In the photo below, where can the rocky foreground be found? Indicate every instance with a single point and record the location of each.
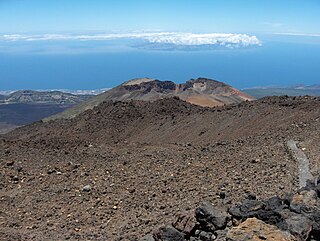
(121, 170)
(295, 217)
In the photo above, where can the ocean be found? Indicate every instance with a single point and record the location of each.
(280, 61)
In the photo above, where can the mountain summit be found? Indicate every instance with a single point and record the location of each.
(201, 91)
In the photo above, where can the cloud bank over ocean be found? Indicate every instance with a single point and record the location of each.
(158, 40)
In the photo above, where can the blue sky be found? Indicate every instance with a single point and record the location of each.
(89, 44)
(250, 16)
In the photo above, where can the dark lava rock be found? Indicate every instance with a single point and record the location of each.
(274, 203)
(206, 236)
(272, 217)
(315, 217)
(9, 163)
(148, 237)
(211, 217)
(248, 208)
(222, 195)
(300, 226)
(251, 196)
(169, 233)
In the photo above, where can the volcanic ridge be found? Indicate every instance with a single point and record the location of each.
(201, 91)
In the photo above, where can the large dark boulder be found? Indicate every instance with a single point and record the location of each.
(211, 217)
(248, 208)
(169, 233)
(299, 226)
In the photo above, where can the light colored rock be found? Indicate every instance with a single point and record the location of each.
(256, 230)
(86, 188)
(304, 198)
(184, 223)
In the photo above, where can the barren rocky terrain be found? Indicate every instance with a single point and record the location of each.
(121, 170)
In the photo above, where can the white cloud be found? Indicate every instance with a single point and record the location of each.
(190, 39)
(228, 40)
(299, 34)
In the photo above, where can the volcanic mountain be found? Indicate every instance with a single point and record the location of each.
(138, 160)
(201, 91)
(123, 168)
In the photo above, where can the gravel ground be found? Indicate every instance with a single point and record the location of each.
(119, 171)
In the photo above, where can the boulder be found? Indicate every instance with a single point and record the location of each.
(256, 230)
(169, 233)
(211, 217)
(248, 208)
(148, 237)
(315, 217)
(275, 203)
(184, 223)
(299, 226)
(303, 201)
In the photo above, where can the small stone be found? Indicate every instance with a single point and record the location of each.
(50, 171)
(222, 195)
(9, 163)
(262, 237)
(86, 188)
(15, 178)
(255, 161)
(252, 196)
(205, 236)
(132, 190)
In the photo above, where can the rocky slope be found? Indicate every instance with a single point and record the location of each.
(202, 92)
(122, 169)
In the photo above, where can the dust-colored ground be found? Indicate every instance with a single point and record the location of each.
(146, 162)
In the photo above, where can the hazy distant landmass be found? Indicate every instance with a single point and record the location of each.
(19, 114)
(42, 97)
(26, 106)
(259, 92)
